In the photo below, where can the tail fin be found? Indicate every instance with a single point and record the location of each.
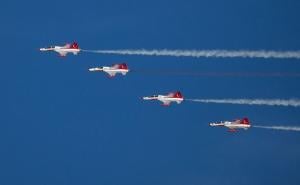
(74, 45)
(123, 66)
(177, 95)
(245, 121)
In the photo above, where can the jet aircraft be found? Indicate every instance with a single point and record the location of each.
(234, 125)
(113, 70)
(167, 99)
(64, 50)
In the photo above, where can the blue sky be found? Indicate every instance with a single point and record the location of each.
(61, 125)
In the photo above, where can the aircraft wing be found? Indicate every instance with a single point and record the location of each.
(62, 53)
(166, 103)
(111, 74)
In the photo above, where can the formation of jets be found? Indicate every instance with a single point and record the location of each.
(166, 100)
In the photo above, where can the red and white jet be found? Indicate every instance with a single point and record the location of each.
(233, 125)
(167, 99)
(64, 50)
(113, 70)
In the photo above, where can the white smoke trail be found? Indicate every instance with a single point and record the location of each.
(270, 102)
(286, 128)
(205, 53)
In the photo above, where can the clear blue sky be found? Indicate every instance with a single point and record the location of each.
(61, 125)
